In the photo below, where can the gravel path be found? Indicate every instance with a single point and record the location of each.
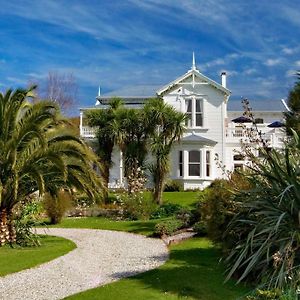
(101, 257)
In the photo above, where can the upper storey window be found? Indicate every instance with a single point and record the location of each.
(194, 111)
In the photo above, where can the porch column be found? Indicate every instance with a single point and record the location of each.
(80, 125)
(185, 163)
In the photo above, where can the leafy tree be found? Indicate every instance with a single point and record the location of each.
(108, 134)
(38, 153)
(293, 117)
(167, 128)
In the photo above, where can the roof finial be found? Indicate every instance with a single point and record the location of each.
(99, 91)
(194, 63)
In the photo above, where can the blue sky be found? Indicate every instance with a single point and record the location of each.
(120, 44)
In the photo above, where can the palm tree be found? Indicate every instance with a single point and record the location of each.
(108, 134)
(133, 139)
(167, 126)
(38, 153)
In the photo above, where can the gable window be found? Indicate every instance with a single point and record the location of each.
(198, 113)
(188, 107)
(194, 163)
(194, 112)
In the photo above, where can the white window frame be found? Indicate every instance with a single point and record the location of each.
(192, 122)
(200, 163)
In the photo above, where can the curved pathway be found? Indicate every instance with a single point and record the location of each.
(101, 257)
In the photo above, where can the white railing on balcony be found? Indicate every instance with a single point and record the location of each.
(87, 132)
(274, 137)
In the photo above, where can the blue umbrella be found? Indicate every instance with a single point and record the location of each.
(276, 124)
(242, 119)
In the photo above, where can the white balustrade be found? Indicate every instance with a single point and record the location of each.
(87, 132)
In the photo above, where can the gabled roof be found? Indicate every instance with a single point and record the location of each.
(194, 138)
(196, 73)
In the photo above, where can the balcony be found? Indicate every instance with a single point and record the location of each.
(87, 132)
(274, 137)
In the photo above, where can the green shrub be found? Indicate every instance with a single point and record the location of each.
(274, 294)
(185, 216)
(137, 207)
(173, 185)
(217, 208)
(57, 206)
(166, 210)
(200, 228)
(168, 227)
(25, 217)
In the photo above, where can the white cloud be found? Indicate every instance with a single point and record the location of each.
(249, 71)
(289, 51)
(273, 62)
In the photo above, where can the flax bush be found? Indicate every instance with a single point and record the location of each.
(270, 251)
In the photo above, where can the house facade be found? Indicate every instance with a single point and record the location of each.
(211, 137)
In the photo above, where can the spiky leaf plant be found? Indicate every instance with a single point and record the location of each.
(38, 153)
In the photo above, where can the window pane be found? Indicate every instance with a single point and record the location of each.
(198, 105)
(180, 163)
(180, 156)
(188, 120)
(194, 169)
(194, 156)
(188, 105)
(207, 170)
(198, 119)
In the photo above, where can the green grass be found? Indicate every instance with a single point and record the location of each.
(140, 227)
(188, 198)
(183, 198)
(192, 272)
(17, 259)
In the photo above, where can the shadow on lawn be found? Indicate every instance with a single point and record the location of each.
(191, 273)
(146, 227)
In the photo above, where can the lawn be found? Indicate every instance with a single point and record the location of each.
(183, 198)
(140, 227)
(186, 199)
(192, 272)
(17, 259)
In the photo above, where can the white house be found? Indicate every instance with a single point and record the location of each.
(210, 130)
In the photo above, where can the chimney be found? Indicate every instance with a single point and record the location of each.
(223, 77)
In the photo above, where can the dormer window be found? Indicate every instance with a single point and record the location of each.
(194, 112)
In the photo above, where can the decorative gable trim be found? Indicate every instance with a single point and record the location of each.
(193, 73)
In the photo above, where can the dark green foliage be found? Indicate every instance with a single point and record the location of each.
(173, 186)
(166, 210)
(217, 208)
(168, 227)
(268, 248)
(200, 228)
(24, 220)
(274, 294)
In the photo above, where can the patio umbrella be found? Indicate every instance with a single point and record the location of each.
(242, 119)
(276, 124)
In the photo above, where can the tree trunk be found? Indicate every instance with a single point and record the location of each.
(11, 228)
(4, 227)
